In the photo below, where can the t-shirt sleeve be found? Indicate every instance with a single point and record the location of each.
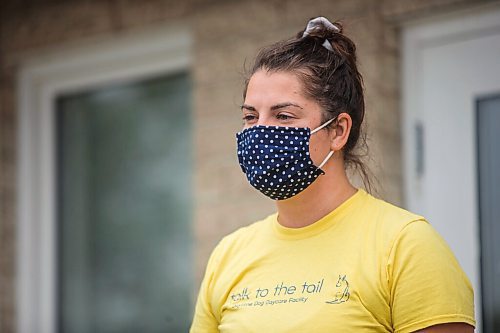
(204, 319)
(427, 285)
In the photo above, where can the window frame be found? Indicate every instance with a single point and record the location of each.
(42, 77)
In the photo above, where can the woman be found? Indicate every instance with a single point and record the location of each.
(333, 258)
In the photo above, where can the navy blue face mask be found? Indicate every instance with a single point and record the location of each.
(276, 159)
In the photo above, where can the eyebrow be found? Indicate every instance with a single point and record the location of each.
(248, 107)
(274, 107)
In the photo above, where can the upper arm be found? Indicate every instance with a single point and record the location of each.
(449, 328)
(204, 320)
(428, 288)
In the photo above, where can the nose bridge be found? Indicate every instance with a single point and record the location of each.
(265, 118)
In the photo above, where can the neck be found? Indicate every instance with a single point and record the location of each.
(324, 195)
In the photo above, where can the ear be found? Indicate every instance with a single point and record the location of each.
(339, 132)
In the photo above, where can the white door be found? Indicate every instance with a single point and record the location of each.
(449, 65)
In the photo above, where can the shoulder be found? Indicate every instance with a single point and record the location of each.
(390, 213)
(418, 264)
(388, 220)
(244, 238)
(247, 233)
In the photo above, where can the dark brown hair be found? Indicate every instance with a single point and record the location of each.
(329, 77)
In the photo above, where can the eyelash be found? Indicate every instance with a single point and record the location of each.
(283, 116)
(249, 117)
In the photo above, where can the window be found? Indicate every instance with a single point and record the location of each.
(123, 207)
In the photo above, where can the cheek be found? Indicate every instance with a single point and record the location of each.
(318, 147)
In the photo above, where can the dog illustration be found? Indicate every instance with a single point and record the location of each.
(342, 291)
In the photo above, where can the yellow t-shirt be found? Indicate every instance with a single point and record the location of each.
(367, 266)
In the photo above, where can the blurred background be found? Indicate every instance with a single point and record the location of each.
(118, 169)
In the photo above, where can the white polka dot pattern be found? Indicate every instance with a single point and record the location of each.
(276, 159)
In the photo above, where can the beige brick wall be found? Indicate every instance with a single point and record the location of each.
(226, 34)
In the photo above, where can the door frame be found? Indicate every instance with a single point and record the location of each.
(42, 78)
(416, 37)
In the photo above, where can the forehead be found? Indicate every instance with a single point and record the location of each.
(274, 85)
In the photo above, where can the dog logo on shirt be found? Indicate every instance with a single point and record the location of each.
(341, 291)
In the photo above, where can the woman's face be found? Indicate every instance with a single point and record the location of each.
(277, 99)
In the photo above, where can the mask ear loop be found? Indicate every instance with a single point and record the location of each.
(331, 151)
(326, 159)
(323, 126)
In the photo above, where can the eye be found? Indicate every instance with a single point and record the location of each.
(283, 116)
(249, 118)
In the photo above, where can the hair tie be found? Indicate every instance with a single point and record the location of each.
(316, 23)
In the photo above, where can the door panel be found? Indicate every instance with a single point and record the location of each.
(488, 140)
